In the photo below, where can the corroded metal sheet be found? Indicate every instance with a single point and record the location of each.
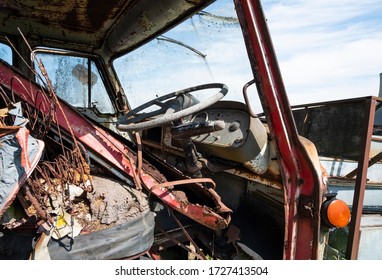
(334, 127)
(111, 27)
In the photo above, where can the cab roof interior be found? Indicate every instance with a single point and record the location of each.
(110, 27)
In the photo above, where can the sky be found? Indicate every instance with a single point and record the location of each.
(327, 49)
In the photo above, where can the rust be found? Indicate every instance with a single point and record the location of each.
(114, 152)
(267, 179)
(91, 15)
(36, 204)
(232, 234)
(82, 166)
(372, 161)
(306, 206)
(181, 196)
(187, 235)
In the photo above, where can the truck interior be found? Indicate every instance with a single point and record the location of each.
(183, 174)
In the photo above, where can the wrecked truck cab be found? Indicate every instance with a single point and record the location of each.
(209, 177)
(97, 151)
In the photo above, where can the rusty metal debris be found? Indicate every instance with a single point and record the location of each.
(62, 195)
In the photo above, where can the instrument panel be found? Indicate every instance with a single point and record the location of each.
(233, 134)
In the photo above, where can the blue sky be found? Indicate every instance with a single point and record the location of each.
(327, 49)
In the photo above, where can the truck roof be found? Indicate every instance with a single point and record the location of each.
(109, 27)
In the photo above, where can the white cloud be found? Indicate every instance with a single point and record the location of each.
(327, 49)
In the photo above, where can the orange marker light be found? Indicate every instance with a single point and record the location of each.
(335, 212)
(338, 213)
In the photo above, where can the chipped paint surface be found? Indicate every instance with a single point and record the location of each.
(100, 20)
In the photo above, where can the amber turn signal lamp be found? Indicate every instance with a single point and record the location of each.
(335, 212)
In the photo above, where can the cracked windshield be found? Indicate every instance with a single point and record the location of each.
(206, 48)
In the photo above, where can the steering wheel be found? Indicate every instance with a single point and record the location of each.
(170, 110)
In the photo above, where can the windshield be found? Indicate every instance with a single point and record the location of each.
(70, 79)
(5, 53)
(206, 48)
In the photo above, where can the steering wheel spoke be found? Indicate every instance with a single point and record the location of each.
(159, 103)
(133, 121)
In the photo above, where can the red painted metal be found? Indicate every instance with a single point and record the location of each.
(299, 176)
(103, 144)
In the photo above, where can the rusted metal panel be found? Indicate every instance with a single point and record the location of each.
(326, 126)
(62, 19)
(88, 15)
(108, 33)
(111, 150)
